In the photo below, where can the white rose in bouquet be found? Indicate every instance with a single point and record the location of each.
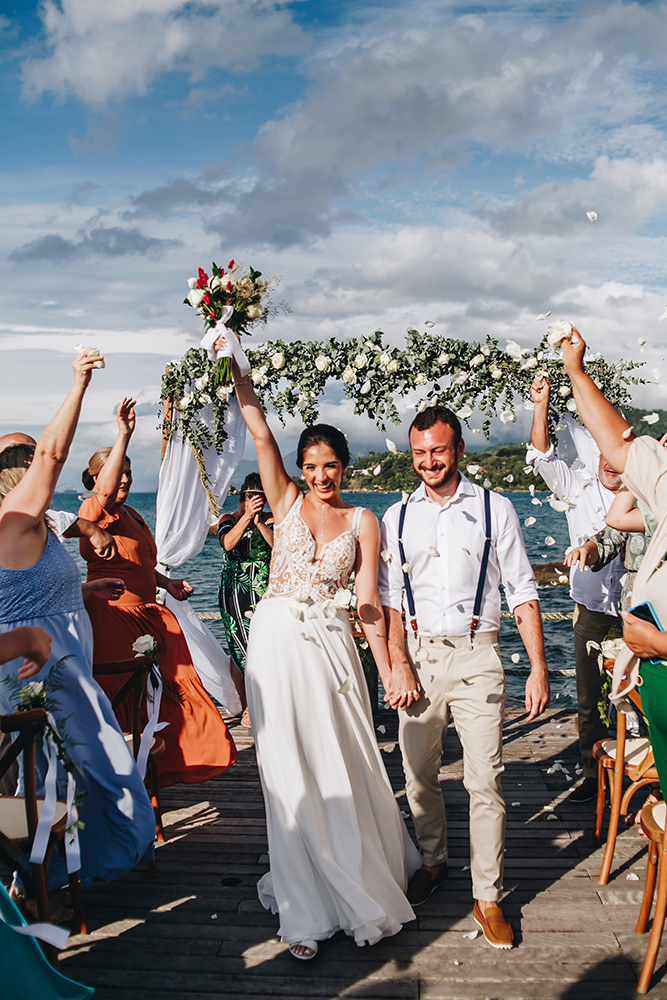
(205, 398)
(349, 376)
(144, 644)
(192, 282)
(195, 297)
(278, 359)
(323, 363)
(255, 311)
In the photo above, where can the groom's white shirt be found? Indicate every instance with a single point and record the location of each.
(444, 585)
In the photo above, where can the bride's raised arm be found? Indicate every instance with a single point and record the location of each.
(280, 491)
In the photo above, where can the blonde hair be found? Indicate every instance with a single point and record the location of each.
(95, 465)
(9, 478)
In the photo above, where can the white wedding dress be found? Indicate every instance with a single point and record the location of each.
(339, 851)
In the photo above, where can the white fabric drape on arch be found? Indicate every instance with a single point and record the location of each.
(181, 528)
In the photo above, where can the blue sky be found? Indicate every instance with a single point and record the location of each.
(397, 162)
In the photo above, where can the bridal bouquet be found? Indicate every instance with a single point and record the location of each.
(232, 298)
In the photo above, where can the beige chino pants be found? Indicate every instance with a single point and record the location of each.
(468, 685)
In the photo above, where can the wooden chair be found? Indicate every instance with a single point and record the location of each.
(19, 818)
(135, 688)
(653, 824)
(617, 759)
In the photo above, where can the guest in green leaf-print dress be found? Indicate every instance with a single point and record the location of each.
(247, 540)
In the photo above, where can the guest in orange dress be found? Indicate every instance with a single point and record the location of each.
(198, 745)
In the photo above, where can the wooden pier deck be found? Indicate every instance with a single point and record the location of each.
(198, 932)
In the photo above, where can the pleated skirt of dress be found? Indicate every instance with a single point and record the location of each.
(339, 851)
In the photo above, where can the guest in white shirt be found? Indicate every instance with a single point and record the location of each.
(590, 492)
(451, 665)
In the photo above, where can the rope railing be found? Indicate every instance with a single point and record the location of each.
(547, 616)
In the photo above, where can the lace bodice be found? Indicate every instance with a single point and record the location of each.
(51, 587)
(294, 569)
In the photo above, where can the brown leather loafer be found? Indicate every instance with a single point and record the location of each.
(424, 883)
(495, 926)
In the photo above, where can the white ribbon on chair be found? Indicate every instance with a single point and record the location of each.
(153, 726)
(56, 936)
(72, 848)
(45, 821)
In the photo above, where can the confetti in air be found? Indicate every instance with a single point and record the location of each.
(591, 216)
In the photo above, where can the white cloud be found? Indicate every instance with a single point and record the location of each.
(100, 51)
(418, 98)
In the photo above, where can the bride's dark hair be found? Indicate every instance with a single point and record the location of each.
(323, 434)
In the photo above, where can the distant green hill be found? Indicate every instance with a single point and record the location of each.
(634, 417)
(396, 471)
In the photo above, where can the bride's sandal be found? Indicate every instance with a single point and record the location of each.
(303, 950)
(245, 720)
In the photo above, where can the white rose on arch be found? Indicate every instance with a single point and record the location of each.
(421, 379)
(349, 376)
(361, 361)
(392, 366)
(278, 359)
(323, 363)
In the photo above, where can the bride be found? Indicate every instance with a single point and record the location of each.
(339, 851)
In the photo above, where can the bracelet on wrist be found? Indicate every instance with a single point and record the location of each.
(237, 384)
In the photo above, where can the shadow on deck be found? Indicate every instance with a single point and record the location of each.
(198, 930)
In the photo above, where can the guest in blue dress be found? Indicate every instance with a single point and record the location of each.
(40, 585)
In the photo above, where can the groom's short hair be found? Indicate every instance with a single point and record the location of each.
(437, 415)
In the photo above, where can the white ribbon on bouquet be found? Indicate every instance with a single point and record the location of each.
(183, 518)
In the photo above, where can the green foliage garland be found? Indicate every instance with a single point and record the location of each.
(291, 376)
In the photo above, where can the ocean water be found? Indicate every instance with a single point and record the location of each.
(203, 573)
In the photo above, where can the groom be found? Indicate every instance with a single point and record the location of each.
(446, 550)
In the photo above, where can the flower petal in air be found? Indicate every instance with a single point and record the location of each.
(651, 418)
(429, 323)
(549, 540)
(386, 555)
(591, 216)
(487, 484)
(377, 470)
(515, 657)
(664, 315)
(464, 412)
(391, 446)
(508, 416)
(433, 552)
(530, 521)
(543, 316)
(346, 686)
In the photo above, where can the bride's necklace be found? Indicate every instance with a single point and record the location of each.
(324, 516)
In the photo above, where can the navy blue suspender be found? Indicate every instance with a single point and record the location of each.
(482, 569)
(406, 578)
(477, 607)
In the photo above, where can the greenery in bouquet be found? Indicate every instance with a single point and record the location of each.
(41, 694)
